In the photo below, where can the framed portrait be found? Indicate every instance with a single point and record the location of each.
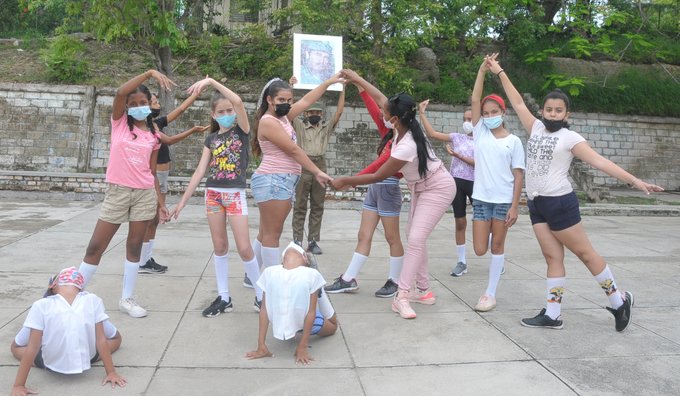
(315, 59)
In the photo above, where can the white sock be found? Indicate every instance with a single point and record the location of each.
(607, 283)
(461, 253)
(257, 248)
(87, 271)
(129, 278)
(497, 262)
(146, 253)
(490, 238)
(222, 275)
(323, 304)
(395, 267)
(152, 242)
(270, 257)
(253, 271)
(554, 290)
(354, 266)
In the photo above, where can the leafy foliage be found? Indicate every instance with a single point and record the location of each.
(66, 61)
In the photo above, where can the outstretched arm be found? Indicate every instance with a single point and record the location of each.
(389, 168)
(262, 350)
(194, 182)
(340, 107)
(239, 107)
(170, 140)
(373, 110)
(513, 95)
(312, 96)
(374, 92)
(119, 101)
(428, 127)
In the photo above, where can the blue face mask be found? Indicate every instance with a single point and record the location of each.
(493, 122)
(226, 120)
(139, 113)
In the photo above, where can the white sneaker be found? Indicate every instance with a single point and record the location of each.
(130, 306)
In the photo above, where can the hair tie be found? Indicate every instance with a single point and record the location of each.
(266, 86)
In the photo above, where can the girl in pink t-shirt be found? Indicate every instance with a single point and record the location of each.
(132, 192)
(273, 183)
(432, 190)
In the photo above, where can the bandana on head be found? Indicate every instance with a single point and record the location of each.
(496, 99)
(69, 276)
(297, 248)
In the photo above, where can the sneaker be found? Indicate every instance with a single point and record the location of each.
(217, 307)
(401, 305)
(422, 296)
(314, 248)
(486, 303)
(339, 285)
(257, 305)
(542, 320)
(388, 290)
(152, 267)
(130, 307)
(246, 282)
(622, 314)
(459, 269)
(298, 242)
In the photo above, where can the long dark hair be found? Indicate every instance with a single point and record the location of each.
(272, 88)
(383, 142)
(403, 106)
(216, 97)
(149, 119)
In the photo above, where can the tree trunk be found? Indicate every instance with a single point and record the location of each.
(163, 57)
(376, 22)
(550, 9)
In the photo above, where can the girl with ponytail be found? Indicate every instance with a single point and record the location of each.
(273, 183)
(431, 185)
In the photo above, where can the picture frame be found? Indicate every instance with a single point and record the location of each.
(315, 59)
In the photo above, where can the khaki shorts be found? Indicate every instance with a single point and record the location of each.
(124, 204)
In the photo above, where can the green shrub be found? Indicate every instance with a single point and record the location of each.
(65, 60)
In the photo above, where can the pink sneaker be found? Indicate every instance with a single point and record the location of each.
(486, 303)
(401, 305)
(422, 296)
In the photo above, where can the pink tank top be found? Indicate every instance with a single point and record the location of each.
(275, 160)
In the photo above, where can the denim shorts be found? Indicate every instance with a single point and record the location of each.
(485, 211)
(559, 212)
(384, 198)
(274, 186)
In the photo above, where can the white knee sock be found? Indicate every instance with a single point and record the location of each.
(270, 257)
(257, 248)
(554, 290)
(395, 267)
(87, 271)
(253, 271)
(324, 306)
(146, 253)
(497, 262)
(461, 253)
(152, 242)
(129, 278)
(222, 275)
(607, 283)
(354, 266)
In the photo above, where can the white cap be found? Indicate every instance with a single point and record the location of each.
(295, 247)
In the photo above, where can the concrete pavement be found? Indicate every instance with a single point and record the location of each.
(448, 350)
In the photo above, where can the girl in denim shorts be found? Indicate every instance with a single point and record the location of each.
(499, 174)
(225, 157)
(273, 183)
(553, 205)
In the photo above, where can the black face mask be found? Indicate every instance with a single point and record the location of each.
(155, 113)
(282, 109)
(314, 119)
(554, 125)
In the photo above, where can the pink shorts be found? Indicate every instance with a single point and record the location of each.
(231, 201)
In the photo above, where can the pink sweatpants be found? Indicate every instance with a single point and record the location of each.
(430, 198)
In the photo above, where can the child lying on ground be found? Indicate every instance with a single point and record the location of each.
(65, 332)
(293, 301)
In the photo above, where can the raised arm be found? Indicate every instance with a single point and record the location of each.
(312, 96)
(476, 99)
(172, 116)
(239, 107)
(119, 100)
(170, 140)
(428, 127)
(372, 91)
(373, 110)
(340, 107)
(513, 95)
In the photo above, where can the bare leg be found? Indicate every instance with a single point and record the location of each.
(217, 222)
(576, 240)
(273, 213)
(393, 235)
(369, 222)
(100, 240)
(329, 327)
(552, 249)
(480, 236)
(461, 225)
(136, 232)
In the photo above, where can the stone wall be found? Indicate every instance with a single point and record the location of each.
(46, 128)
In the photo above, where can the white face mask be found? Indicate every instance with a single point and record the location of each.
(467, 127)
(388, 124)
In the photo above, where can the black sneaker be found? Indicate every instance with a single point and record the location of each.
(340, 286)
(257, 305)
(217, 307)
(542, 320)
(298, 242)
(622, 315)
(152, 267)
(314, 248)
(389, 290)
(246, 282)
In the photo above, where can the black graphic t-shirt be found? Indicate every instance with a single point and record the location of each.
(229, 159)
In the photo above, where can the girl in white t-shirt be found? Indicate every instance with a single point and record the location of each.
(553, 206)
(431, 185)
(499, 174)
(65, 332)
(294, 302)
